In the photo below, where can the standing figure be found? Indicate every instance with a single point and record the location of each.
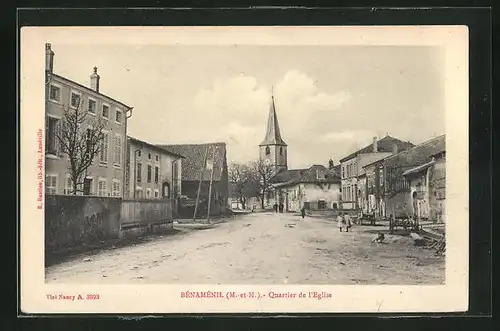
(281, 207)
(340, 221)
(303, 212)
(275, 207)
(347, 222)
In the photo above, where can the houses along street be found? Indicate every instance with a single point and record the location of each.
(260, 248)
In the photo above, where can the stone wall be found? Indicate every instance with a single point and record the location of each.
(72, 220)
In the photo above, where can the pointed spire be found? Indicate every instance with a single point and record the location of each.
(273, 134)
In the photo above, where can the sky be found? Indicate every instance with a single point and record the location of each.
(330, 100)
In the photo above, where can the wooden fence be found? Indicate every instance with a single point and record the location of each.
(139, 213)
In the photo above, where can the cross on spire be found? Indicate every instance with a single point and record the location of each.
(272, 91)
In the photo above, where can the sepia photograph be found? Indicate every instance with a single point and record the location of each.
(209, 162)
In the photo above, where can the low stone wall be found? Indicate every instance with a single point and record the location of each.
(72, 221)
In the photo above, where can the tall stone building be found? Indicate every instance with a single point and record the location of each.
(105, 176)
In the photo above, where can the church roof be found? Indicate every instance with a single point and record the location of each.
(273, 134)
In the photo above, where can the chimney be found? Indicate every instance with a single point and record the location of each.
(94, 80)
(49, 58)
(375, 145)
(395, 148)
(330, 164)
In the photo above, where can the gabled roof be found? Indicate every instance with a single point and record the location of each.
(194, 154)
(287, 175)
(273, 134)
(154, 147)
(384, 145)
(315, 174)
(417, 155)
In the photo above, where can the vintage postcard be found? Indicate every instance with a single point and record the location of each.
(244, 169)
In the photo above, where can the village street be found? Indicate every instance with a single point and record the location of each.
(260, 248)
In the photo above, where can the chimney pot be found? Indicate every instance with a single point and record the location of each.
(94, 80)
(49, 58)
(375, 144)
(330, 164)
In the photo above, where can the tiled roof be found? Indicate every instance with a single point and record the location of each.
(417, 155)
(287, 175)
(194, 154)
(315, 174)
(154, 147)
(385, 144)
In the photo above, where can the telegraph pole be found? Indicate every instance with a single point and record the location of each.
(199, 185)
(210, 186)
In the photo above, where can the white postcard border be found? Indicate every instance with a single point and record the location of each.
(453, 296)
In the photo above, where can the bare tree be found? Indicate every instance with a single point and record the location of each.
(244, 181)
(263, 175)
(79, 136)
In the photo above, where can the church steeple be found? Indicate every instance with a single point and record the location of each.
(273, 134)
(273, 150)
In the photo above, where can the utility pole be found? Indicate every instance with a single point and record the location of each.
(199, 185)
(210, 185)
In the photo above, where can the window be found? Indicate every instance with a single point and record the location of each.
(118, 116)
(103, 149)
(149, 156)
(157, 158)
(381, 177)
(268, 150)
(139, 172)
(138, 192)
(343, 172)
(51, 184)
(87, 186)
(157, 193)
(52, 129)
(92, 108)
(117, 150)
(75, 99)
(105, 111)
(281, 150)
(149, 173)
(148, 193)
(157, 173)
(69, 185)
(116, 188)
(101, 187)
(139, 153)
(55, 93)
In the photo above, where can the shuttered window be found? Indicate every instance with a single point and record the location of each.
(101, 188)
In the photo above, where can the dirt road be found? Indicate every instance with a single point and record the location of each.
(260, 249)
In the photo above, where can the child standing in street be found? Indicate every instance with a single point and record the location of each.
(340, 221)
(347, 222)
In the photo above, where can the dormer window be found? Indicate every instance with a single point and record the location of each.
(268, 150)
(281, 150)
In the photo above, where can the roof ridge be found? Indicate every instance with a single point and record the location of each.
(195, 144)
(419, 145)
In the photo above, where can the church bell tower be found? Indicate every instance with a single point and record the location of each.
(273, 149)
